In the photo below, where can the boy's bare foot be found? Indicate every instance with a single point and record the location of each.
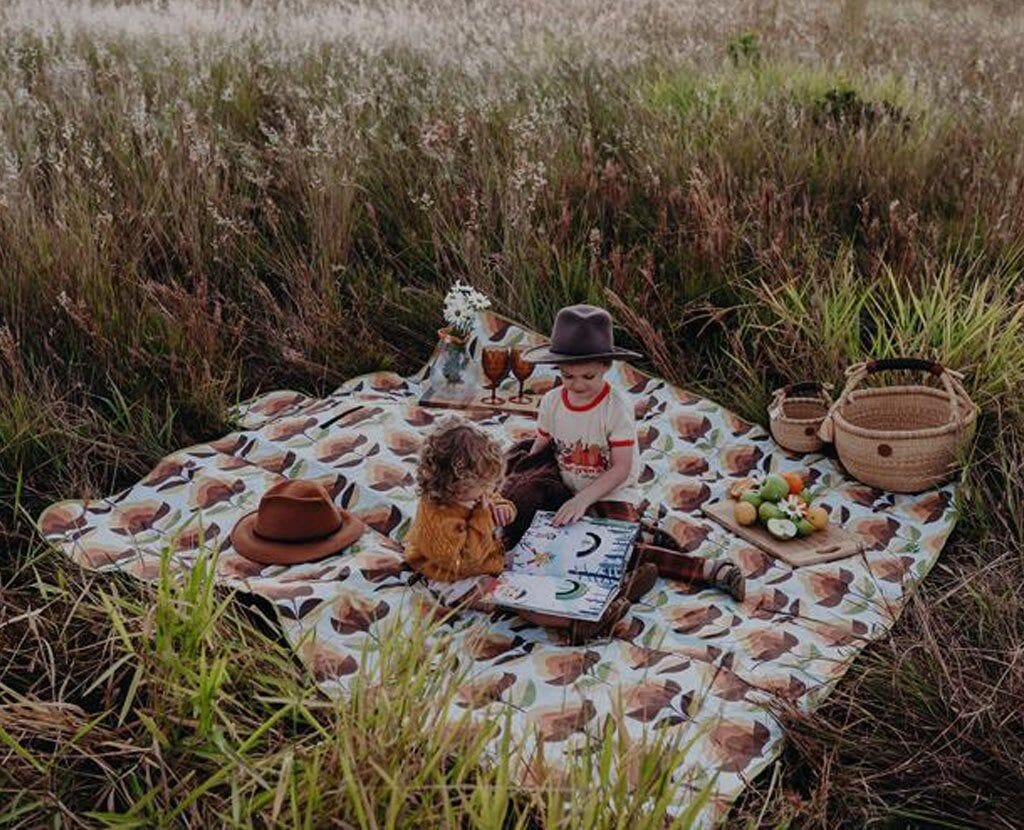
(727, 575)
(657, 545)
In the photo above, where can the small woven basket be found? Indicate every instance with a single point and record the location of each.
(795, 416)
(901, 438)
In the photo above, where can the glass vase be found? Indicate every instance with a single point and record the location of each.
(454, 356)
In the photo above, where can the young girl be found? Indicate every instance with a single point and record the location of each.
(455, 533)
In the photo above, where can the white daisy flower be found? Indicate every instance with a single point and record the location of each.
(461, 306)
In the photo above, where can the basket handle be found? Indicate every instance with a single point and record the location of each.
(807, 386)
(780, 394)
(951, 381)
(886, 364)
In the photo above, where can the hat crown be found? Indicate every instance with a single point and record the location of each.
(294, 511)
(582, 330)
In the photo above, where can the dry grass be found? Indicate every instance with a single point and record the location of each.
(199, 200)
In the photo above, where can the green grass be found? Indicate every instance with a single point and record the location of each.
(184, 677)
(761, 194)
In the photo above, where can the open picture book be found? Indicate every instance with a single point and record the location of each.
(573, 571)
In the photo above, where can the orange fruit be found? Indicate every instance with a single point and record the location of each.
(795, 482)
(745, 513)
(818, 516)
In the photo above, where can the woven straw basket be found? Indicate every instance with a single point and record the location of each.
(901, 438)
(795, 416)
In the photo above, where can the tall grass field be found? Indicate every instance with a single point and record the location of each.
(205, 199)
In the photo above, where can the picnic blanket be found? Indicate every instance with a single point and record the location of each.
(690, 661)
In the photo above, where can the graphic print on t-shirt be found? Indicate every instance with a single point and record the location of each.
(585, 435)
(582, 459)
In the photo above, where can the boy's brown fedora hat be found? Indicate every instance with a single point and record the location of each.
(581, 332)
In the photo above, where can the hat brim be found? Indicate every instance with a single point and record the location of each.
(245, 541)
(544, 354)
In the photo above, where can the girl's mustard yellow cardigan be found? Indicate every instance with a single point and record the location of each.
(452, 541)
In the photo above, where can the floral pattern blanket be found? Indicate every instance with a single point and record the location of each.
(685, 660)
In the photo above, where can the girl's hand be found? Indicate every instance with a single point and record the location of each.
(573, 510)
(503, 514)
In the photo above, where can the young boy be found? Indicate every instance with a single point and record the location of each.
(591, 428)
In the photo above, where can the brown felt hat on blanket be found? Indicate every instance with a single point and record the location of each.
(297, 521)
(581, 332)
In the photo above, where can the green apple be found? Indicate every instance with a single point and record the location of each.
(804, 528)
(752, 497)
(775, 488)
(768, 511)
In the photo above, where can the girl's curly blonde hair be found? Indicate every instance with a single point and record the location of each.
(455, 456)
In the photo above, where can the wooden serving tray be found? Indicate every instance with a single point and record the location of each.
(823, 546)
(472, 405)
(471, 394)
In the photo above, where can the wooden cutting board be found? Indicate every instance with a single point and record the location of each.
(824, 546)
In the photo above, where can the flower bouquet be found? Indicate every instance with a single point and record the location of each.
(461, 306)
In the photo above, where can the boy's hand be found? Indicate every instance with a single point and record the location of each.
(503, 514)
(573, 510)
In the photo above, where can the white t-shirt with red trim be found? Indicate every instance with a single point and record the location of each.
(584, 436)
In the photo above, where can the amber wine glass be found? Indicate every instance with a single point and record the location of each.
(522, 369)
(495, 360)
